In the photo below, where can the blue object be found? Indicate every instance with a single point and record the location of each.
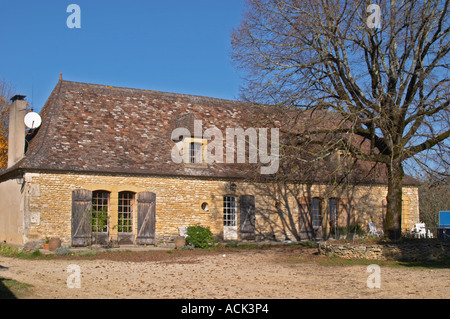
(444, 219)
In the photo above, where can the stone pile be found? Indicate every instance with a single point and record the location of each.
(411, 251)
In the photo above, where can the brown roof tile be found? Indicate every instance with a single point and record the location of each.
(98, 128)
(104, 129)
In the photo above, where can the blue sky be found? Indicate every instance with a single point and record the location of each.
(172, 46)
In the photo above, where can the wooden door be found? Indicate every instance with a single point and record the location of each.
(247, 217)
(81, 217)
(146, 218)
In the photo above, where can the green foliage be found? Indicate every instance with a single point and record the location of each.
(34, 254)
(63, 251)
(10, 251)
(87, 253)
(199, 236)
(99, 219)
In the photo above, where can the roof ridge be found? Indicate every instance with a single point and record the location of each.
(174, 94)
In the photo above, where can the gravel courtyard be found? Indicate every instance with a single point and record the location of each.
(280, 272)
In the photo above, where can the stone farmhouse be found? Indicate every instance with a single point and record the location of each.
(105, 166)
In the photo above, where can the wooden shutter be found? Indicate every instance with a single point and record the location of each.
(81, 217)
(146, 211)
(247, 217)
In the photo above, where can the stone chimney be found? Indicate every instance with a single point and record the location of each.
(16, 134)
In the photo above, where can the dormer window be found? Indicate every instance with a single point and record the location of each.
(195, 152)
(340, 161)
(190, 150)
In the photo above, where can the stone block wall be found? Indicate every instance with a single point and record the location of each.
(178, 201)
(48, 204)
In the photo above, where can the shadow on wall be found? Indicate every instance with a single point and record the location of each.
(302, 212)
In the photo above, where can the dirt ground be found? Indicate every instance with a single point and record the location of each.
(282, 273)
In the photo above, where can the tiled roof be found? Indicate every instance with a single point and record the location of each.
(98, 128)
(112, 130)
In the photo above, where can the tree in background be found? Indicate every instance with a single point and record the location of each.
(380, 67)
(434, 196)
(5, 95)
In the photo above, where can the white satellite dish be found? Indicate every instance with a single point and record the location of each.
(32, 120)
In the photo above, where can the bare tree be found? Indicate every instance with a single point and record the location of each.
(381, 71)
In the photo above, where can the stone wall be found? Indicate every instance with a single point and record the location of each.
(11, 212)
(48, 204)
(410, 208)
(178, 201)
(413, 250)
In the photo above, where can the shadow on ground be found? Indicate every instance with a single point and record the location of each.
(5, 292)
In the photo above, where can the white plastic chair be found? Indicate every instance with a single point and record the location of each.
(182, 231)
(419, 230)
(373, 230)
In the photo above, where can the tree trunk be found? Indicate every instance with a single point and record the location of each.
(394, 200)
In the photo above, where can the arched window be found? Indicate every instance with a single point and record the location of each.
(126, 212)
(100, 211)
